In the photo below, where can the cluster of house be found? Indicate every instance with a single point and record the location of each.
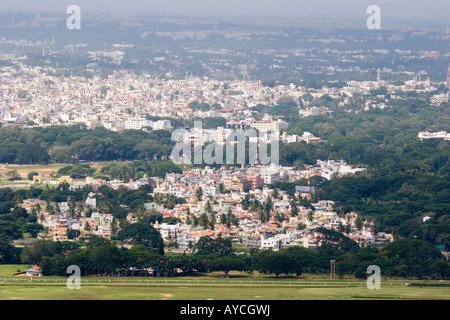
(222, 189)
(275, 235)
(143, 123)
(57, 224)
(314, 111)
(88, 181)
(248, 178)
(370, 104)
(332, 168)
(124, 99)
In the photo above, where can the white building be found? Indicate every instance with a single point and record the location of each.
(136, 124)
(160, 125)
(277, 242)
(270, 176)
(433, 135)
(270, 125)
(169, 231)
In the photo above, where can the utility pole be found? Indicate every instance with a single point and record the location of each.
(333, 269)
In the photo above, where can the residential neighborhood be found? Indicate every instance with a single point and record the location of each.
(223, 190)
(233, 150)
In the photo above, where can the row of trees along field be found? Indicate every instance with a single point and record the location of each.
(406, 258)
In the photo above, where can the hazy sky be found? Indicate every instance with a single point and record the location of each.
(391, 10)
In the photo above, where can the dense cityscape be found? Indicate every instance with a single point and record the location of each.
(351, 158)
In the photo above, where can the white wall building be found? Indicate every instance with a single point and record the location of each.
(270, 176)
(270, 125)
(136, 124)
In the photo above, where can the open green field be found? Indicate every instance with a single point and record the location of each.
(44, 170)
(208, 287)
(203, 290)
(7, 270)
(24, 170)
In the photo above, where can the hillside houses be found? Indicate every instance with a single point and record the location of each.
(223, 190)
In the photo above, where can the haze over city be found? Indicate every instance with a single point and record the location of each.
(401, 11)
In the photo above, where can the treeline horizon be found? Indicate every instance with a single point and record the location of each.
(77, 143)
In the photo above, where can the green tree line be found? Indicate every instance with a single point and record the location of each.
(405, 258)
(70, 144)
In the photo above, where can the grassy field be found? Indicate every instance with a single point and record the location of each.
(201, 290)
(216, 292)
(23, 171)
(8, 270)
(44, 170)
(207, 287)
